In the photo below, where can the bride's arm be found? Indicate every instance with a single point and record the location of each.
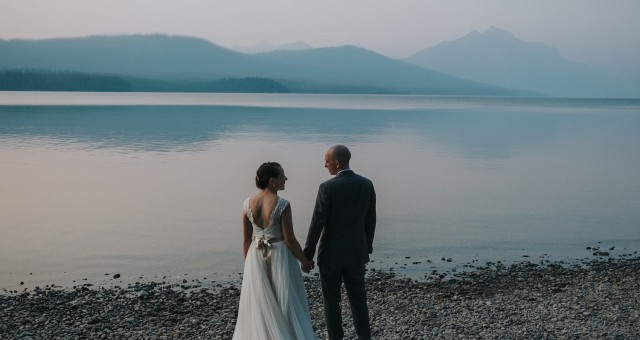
(247, 234)
(290, 238)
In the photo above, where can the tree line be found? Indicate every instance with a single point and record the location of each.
(29, 80)
(44, 80)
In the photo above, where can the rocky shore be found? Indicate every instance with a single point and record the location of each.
(598, 299)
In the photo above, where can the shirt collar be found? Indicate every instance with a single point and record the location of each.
(344, 170)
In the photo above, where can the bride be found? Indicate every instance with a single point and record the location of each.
(273, 300)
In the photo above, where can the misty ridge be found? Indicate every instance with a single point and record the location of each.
(492, 63)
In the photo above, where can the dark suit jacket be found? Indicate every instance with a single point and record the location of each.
(344, 221)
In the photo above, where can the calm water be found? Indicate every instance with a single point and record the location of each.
(151, 185)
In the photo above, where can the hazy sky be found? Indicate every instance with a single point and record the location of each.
(583, 30)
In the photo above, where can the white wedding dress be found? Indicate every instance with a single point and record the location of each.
(273, 300)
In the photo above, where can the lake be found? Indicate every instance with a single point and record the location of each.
(150, 185)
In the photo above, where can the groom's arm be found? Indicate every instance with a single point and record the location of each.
(370, 227)
(317, 223)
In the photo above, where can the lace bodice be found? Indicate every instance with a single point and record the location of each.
(273, 230)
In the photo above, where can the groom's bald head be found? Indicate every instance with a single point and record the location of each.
(337, 158)
(341, 154)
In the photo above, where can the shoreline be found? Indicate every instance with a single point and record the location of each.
(417, 267)
(598, 299)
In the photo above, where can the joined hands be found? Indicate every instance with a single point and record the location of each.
(307, 266)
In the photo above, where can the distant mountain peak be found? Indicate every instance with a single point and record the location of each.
(497, 57)
(298, 45)
(265, 47)
(498, 33)
(491, 33)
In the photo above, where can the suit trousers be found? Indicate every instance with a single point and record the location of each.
(353, 277)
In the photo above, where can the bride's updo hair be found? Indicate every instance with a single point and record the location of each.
(265, 172)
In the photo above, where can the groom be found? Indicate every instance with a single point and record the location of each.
(344, 221)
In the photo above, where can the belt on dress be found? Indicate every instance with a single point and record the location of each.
(265, 245)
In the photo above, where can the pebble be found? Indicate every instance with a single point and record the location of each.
(597, 300)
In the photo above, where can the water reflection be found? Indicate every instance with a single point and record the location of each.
(475, 133)
(157, 189)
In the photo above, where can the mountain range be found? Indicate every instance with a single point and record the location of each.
(489, 63)
(177, 61)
